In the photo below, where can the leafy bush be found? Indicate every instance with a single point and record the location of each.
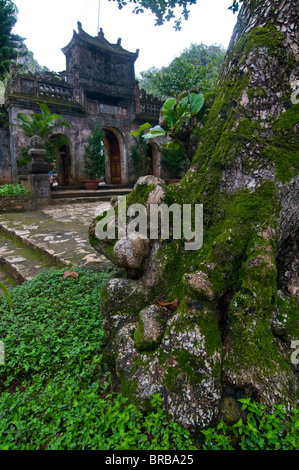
(94, 155)
(13, 190)
(139, 156)
(175, 161)
(260, 430)
(41, 123)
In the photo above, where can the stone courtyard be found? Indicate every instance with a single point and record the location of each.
(54, 236)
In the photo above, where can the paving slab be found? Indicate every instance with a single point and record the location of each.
(58, 235)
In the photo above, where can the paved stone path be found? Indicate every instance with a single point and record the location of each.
(56, 235)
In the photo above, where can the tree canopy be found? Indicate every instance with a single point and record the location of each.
(164, 10)
(197, 66)
(10, 44)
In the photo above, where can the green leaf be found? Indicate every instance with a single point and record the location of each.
(7, 295)
(197, 102)
(142, 128)
(154, 132)
(169, 113)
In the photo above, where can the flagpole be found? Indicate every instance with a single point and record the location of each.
(99, 17)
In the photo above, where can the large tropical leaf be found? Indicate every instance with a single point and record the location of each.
(142, 128)
(169, 112)
(197, 102)
(41, 123)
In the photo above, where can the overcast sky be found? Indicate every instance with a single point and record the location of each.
(48, 26)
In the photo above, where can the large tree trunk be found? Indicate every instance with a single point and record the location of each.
(237, 314)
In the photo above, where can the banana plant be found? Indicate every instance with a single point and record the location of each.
(177, 114)
(40, 124)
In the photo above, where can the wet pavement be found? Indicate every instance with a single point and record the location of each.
(54, 236)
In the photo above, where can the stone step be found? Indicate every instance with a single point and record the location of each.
(56, 236)
(20, 262)
(86, 194)
(78, 200)
(13, 243)
(6, 277)
(102, 187)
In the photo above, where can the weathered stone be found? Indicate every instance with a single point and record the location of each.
(150, 328)
(129, 253)
(16, 203)
(199, 283)
(149, 180)
(293, 290)
(156, 196)
(230, 410)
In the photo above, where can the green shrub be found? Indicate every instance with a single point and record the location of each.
(260, 430)
(13, 190)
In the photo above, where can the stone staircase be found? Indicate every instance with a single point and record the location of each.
(77, 194)
(54, 237)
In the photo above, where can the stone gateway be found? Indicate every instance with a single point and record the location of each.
(98, 85)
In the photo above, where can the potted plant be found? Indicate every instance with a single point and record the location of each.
(94, 158)
(175, 163)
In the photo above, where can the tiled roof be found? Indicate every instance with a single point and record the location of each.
(98, 41)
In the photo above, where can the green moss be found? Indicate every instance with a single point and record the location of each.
(128, 387)
(267, 37)
(140, 194)
(283, 148)
(288, 314)
(170, 377)
(53, 101)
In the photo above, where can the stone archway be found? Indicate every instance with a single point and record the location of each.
(114, 145)
(154, 155)
(61, 159)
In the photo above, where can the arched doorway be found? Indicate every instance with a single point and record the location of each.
(61, 159)
(64, 173)
(114, 157)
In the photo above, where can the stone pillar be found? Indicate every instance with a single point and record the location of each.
(38, 169)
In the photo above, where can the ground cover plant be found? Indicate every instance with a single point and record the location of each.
(56, 392)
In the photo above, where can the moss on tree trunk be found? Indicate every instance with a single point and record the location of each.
(238, 295)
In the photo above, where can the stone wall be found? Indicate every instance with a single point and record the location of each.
(5, 164)
(16, 203)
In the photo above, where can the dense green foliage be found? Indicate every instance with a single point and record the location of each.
(164, 10)
(41, 123)
(198, 66)
(139, 155)
(55, 388)
(56, 392)
(94, 155)
(10, 44)
(13, 190)
(175, 161)
(258, 431)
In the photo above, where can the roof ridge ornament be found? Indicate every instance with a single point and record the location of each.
(101, 33)
(80, 29)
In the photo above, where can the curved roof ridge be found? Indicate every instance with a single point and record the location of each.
(98, 41)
